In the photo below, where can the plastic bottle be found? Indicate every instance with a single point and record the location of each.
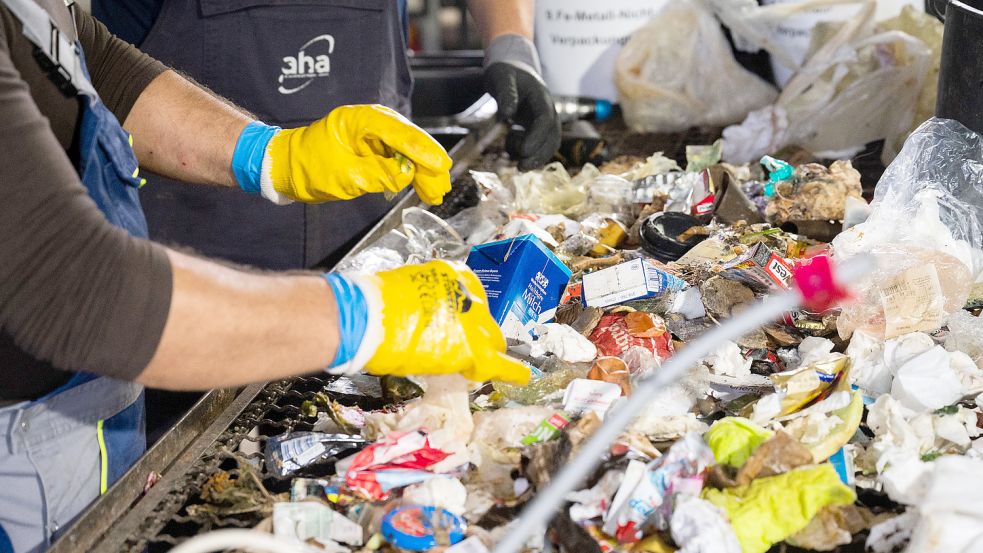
(570, 108)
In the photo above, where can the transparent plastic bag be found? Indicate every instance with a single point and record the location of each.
(926, 231)
(371, 260)
(492, 190)
(478, 224)
(914, 289)
(611, 194)
(678, 72)
(551, 190)
(931, 196)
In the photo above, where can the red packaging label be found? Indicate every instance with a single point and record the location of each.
(612, 338)
(410, 522)
(558, 421)
(573, 290)
(704, 206)
(527, 216)
(403, 452)
(779, 270)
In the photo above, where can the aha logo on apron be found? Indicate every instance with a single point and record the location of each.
(301, 70)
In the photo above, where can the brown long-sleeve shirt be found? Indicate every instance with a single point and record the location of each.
(76, 293)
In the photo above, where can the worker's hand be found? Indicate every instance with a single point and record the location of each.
(355, 150)
(420, 319)
(512, 77)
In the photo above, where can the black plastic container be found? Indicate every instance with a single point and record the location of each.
(961, 71)
(660, 231)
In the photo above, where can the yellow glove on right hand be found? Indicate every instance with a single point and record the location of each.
(430, 318)
(353, 151)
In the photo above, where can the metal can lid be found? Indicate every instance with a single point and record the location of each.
(415, 527)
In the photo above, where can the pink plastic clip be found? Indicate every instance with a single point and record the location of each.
(815, 281)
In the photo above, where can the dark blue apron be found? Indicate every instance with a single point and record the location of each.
(289, 62)
(59, 452)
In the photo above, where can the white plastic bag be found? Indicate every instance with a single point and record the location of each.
(756, 27)
(678, 72)
(856, 88)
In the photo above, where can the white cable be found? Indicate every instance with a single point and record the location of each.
(544, 505)
(249, 540)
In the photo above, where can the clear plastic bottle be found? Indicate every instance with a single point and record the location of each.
(570, 108)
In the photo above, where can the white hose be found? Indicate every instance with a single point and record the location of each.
(545, 503)
(249, 540)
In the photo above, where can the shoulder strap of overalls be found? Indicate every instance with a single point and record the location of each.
(59, 57)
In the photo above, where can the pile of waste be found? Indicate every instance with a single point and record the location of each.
(856, 426)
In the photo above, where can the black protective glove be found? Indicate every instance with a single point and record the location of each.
(512, 77)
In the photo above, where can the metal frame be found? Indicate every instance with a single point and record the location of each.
(123, 510)
(181, 445)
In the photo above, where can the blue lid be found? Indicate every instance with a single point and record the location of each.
(411, 527)
(602, 110)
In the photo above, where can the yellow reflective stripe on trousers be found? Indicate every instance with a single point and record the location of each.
(103, 460)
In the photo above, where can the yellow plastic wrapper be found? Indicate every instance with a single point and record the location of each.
(841, 433)
(798, 384)
(609, 237)
(805, 386)
(734, 439)
(768, 510)
(652, 544)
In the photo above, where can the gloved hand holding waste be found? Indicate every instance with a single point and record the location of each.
(512, 76)
(430, 318)
(355, 150)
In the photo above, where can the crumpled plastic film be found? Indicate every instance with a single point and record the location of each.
(648, 493)
(913, 289)
(926, 231)
(442, 411)
(678, 71)
(552, 190)
(699, 527)
(563, 342)
(854, 88)
(925, 27)
(734, 439)
(372, 260)
(768, 510)
(931, 196)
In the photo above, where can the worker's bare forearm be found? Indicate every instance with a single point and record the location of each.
(228, 327)
(184, 132)
(502, 17)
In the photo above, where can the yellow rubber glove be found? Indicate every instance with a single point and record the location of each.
(355, 150)
(430, 318)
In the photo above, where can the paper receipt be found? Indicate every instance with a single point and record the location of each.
(912, 301)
